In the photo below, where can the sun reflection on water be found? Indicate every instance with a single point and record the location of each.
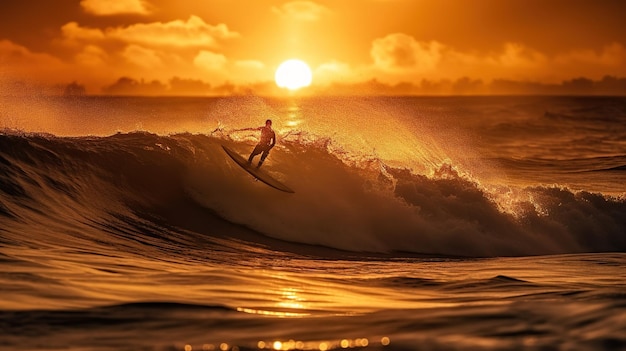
(294, 117)
(321, 345)
(272, 313)
(291, 299)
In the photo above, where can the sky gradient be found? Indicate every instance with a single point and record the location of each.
(191, 46)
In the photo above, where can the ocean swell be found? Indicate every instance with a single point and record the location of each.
(150, 194)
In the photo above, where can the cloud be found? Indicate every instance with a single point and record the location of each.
(178, 47)
(25, 72)
(517, 55)
(210, 61)
(178, 33)
(73, 32)
(307, 11)
(115, 7)
(400, 56)
(17, 57)
(92, 55)
(142, 57)
(130, 86)
(400, 51)
(521, 62)
(185, 86)
(613, 54)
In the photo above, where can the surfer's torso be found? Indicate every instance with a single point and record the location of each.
(267, 135)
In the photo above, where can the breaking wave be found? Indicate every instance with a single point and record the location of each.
(148, 194)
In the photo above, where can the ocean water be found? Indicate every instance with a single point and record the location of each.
(417, 223)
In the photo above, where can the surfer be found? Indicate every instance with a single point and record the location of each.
(266, 143)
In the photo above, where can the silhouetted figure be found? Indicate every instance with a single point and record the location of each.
(266, 143)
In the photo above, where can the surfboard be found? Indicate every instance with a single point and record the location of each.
(256, 172)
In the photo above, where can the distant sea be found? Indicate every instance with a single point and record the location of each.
(417, 223)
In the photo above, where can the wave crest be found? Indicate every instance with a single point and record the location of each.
(167, 192)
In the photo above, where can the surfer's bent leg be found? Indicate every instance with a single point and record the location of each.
(257, 150)
(266, 152)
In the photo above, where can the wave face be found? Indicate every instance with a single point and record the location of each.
(155, 195)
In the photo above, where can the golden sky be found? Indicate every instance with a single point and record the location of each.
(241, 42)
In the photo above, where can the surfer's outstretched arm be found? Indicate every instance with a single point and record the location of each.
(247, 129)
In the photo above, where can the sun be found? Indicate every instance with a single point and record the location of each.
(293, 74)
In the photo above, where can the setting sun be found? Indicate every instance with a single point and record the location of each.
(293, 74)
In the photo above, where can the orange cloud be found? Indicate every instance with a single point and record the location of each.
(193, 32)
(611, 55)
(23, 72)
(301, 11)
(108, 7)
(399, 56)
(210, 61)
(93, 56)
(72, 32)
(142, 57)
(517, 55)
(400, 51)
(16, 58)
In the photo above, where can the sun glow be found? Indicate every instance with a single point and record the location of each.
(293, 74)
